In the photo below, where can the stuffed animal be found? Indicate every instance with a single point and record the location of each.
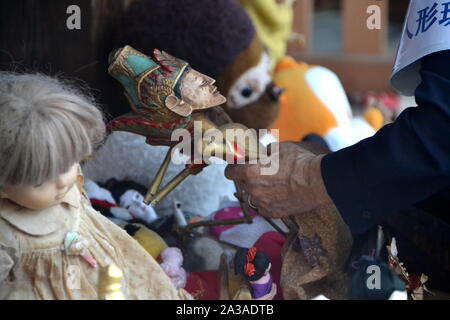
(126, 156)
(151, 241)
(172, 265)
(218, 39)
(243, 235)
(314, 102)
(273, 20)
(103, 201)
(131, 215)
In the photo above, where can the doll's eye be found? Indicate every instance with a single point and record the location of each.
(247, 91)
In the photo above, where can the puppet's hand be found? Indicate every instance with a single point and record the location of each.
(296, 186)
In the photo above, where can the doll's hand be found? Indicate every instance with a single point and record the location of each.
(295, 188)
(271, 295)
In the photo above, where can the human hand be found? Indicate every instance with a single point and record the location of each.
(296, 187)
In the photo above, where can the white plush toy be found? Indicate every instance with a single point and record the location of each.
(172, 265)
(315, 102)
(126, 156)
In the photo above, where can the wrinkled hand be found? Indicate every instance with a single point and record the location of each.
(297, 187)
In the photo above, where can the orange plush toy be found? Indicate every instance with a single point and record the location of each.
(315, 103)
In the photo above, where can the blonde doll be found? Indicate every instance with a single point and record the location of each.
(52, 243)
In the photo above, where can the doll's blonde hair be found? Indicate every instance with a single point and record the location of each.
(46, 125)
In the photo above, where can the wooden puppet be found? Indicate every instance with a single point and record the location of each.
(166, 94)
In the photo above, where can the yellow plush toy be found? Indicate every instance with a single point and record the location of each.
(314, 101)
(273, 22)
(148, 239)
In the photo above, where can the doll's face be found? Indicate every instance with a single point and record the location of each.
(133, 201)
(46, 195)
(199, 91)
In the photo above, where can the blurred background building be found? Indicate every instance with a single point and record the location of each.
(336, 36)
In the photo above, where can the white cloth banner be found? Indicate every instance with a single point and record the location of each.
(426, 30)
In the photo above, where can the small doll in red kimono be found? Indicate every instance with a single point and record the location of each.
(254, 266)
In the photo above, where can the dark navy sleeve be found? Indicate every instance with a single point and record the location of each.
(404, 163)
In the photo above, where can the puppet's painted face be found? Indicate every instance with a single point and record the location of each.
(197, 92)
(43, 196)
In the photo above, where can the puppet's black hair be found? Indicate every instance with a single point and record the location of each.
(118, 188)
(261, 263)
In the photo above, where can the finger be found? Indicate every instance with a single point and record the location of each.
(242, 172)
(232, 171)
(265, 213)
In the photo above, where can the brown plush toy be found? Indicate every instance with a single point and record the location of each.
(219, 40)
(315, 253)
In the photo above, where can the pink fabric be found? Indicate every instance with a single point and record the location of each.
(227, 214)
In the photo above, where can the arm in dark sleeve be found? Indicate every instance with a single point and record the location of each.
(404, 163)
